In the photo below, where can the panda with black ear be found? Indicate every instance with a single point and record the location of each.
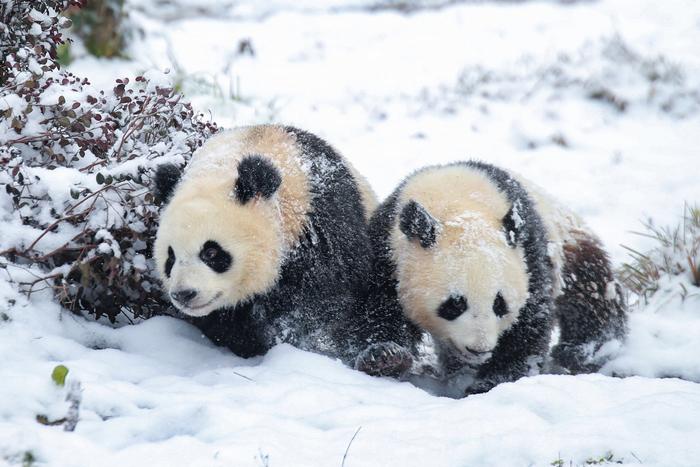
(485, 264)
(263, 240)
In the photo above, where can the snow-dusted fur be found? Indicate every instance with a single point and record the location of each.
(485, 263)
(264, 241)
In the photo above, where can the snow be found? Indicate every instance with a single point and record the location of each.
(664, 338)
(514, 84)
(108, 244)
(146, 400)
(35, 29)
(14, 103)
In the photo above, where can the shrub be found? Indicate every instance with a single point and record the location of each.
(674, 262)
(102, 28)
(76, 163)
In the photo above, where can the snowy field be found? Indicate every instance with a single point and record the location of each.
(596, 101)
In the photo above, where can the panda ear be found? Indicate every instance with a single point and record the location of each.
(166, 177)
(257, 176)
(417, 224)
(513, 224)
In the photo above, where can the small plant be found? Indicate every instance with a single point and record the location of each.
(58, 375)
(28, 459)
(263, 458)
(602, 71)
(74, 397)
(676, 255)
(101, 26)
(605, 459)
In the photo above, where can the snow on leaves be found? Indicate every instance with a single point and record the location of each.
(77, 165)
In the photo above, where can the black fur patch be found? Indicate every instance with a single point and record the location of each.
(589, 313)
(214, 256)
(500, 307)
(256, 176)
(512, 223)
(416, 223)
(452, 308)
(166, 177)
(170, 262)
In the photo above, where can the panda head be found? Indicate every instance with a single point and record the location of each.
(461, 275)
(219, 241)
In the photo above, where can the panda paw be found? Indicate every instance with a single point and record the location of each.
(384, 359)
(574, 359)
(479, 387)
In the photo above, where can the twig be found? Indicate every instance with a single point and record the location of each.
(49, 136)
(51, 227)
(42, 279)
(342, 464)
(243, 376)
(104, 188)
(94, 164)
(10, 251)
(121, 311)
(74, 396)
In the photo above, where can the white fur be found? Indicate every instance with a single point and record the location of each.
(471, 258)
(258, 234)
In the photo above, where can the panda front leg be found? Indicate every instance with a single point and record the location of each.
(386, 339)
(521, 350)
(591, 309)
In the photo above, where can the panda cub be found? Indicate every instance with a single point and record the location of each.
(485, 263)
(264, 240)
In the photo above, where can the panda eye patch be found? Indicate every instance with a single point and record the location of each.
(215, 257)
(500, 307)
(452, 308)
(170, 262)
(209, 254)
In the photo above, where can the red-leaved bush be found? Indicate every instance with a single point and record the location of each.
(77, 211)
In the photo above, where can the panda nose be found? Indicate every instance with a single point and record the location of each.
(184, 296)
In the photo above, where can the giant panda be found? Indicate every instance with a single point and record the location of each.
(486, 264)
(263, 240)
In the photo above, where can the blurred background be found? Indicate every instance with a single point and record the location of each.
(596, 101)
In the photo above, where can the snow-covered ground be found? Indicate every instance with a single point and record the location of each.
(598, 102)
(157, 394)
